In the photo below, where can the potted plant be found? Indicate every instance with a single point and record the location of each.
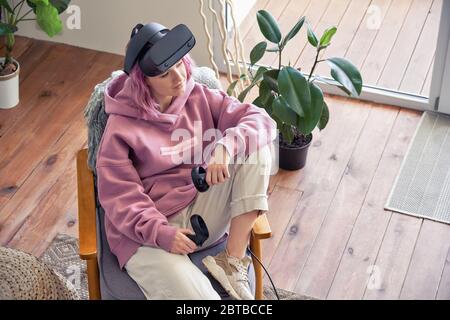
(289, 96)
(47, 16)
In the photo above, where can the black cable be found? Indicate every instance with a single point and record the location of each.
(275, 289)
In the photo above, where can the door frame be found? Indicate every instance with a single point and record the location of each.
(440, 82)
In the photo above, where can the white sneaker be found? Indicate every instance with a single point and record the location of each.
(232, 274)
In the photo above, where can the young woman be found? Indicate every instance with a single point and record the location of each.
(145, 185)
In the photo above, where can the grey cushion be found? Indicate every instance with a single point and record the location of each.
(116, 284)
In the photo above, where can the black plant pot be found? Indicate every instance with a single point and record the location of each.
(293, 156)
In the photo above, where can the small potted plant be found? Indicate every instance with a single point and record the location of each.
(290, 97)
(47, 16)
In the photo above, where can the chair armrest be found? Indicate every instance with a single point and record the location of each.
(261, 228)
(86, 208)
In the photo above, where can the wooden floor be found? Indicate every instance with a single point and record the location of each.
(392, 42)
(331, 237)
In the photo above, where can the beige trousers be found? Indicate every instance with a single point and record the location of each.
(164, 275)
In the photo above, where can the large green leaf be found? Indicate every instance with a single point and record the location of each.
(7, 29)
(326, 37)
(258, 102)
(5, 4)
(332, 83)
(293, 31)
(287, 133)
(264, 91)
(344, 72)
(312, 112)
(294, 88)
(271, 78)
(60, 5)
(312, 38)
(325, 117)
(233, 84)
(268, 26)
(48, 19)
(258, 52)
(244, 93)
(265, 98)
(231, 87)
(38, 2)
(258, 76)
(277, 120)
(266, 105)
(34, 3)
(283, 111)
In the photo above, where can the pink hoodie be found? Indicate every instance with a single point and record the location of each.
(139, 183)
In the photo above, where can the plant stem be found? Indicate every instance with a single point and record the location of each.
(9, 47)
(19, 4)
(18, 12)
(279, 57)
(9, 39)
(3, 14)
(315, 64)
(20, 19)
(251, 74)
(9, 17)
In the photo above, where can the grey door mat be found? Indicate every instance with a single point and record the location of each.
(422, 187)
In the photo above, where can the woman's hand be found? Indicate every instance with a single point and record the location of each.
(217, 171)
(182, 244)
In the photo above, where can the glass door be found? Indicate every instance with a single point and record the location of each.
(392, 42)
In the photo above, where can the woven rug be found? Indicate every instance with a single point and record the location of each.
(62, 256)
(422, 187)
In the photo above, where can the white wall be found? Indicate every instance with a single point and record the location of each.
(106, 24)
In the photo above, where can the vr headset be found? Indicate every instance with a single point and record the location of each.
(157, 48)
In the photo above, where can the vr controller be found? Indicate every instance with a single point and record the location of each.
(198, 224)
(200, 229)
(198, 175)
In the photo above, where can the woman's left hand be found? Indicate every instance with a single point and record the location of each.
(217, 171)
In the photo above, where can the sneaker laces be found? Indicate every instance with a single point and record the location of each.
(241, 266)
(243, 272)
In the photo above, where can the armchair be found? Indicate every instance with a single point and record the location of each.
(105, 278)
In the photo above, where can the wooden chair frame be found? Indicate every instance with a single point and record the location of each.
(88, 229)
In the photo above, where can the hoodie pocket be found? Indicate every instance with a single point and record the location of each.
(170, 194)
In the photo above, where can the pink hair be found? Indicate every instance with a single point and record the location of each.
(142, 91)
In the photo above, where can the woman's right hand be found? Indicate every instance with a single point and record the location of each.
(182, 244)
